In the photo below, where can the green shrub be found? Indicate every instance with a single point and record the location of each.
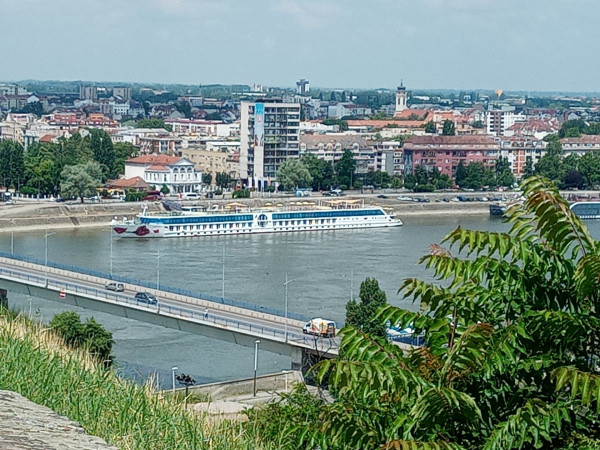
(242, 193)
(90, 335)
(26, 190)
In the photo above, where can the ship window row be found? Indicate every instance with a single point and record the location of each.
(208, 219)
(217, 226)
(319, 214)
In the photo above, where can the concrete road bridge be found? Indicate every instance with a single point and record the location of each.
(179, 309)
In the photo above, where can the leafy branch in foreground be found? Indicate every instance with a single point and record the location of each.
(512, 339)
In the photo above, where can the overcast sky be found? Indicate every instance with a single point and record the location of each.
(543, 45)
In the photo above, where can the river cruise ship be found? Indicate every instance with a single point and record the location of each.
(237, 218)
(586, 210)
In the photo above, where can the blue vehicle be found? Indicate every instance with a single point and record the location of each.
(146, 297)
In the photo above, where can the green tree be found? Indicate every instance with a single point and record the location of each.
(35, 108)
(512, 339)
(12, 166)
(320, 170)
(421, 175)
(342, 124)
(573, 179)
(461, 174)
(80, 180)
(346, 167)
(97, 340)
(123, 151)
(589, 167)
(443, 182)
(362, 315)
(213, 116)
(41, 175)
(506, 178)
(410, 181)
(184, 108)
(479, 176)
(165, 189)
(68, 326)
(396, 182)
(430, 127)
(528, 171)
(551, 165)
(104, 152)
(573, 128)
(223, 179)
(449, 128)
(207, 178)
(292, 174)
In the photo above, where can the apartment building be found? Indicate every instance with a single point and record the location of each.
(498, 121)
(269, 135)
(331, 147)
(518, 149)
(581, 145)
(445, 152)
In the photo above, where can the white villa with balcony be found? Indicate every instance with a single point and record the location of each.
(177, 173)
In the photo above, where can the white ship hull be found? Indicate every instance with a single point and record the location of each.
(214, 224)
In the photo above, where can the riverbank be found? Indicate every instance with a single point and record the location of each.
(34, 216)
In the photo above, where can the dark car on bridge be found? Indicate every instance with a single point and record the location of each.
(145, 297)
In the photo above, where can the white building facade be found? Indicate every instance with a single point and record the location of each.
(269, 135)
(178, 174)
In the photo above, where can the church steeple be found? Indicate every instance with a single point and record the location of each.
(401, 97)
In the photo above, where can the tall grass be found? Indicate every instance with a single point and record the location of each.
(36, 363)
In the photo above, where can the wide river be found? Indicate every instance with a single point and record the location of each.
(325, 269)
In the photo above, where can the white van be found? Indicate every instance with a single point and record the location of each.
(190, 196)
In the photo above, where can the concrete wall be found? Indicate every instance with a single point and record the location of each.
(283, 381)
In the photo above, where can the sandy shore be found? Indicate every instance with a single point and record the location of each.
(34, 215)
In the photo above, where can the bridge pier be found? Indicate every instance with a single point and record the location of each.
(297, 358)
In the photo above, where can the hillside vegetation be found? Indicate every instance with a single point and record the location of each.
(38, 365)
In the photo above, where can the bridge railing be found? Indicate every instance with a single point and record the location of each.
(201, 316)
(163, 287)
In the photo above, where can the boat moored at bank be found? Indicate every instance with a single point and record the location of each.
(235, 218)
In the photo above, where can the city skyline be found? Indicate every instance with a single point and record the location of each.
(466, 44)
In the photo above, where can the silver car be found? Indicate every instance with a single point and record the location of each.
(117, 287)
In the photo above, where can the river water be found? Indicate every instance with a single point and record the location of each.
(326, 269)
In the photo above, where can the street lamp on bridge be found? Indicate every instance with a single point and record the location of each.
(256, 342)
(158, 256)
(286, 305)
(46, 255)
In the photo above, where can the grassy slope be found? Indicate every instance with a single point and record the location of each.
(37, 365)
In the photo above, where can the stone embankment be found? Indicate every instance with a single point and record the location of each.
(27, 425)
(31, 216)
(26, 216)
